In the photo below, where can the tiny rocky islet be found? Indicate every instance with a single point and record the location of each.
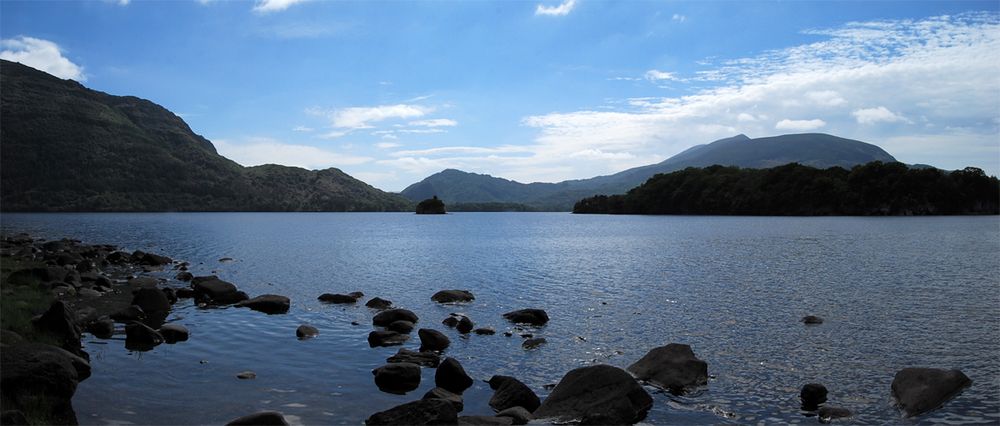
(79, 275)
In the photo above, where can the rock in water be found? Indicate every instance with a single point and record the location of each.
(431, 206)
(41, 378)
(812, 320)
(102, 328)
(432, 340)
(533, 343)
(306, 331)
(379, 303)
(337, 298)
(597, 394)
(442, 393)
(268, 303)
(527, 316)
(485, 331)
(826, 414)
(812, 395)
(216, 291)
(426, 359)
(464, 325)
(264, 418)
(246, 375)
(151, 300)
(389, 316)
(400, 326)
(510, 392)
(173, 333)
(919, 390)
(386, 338)
(451, 376)
(422, 412)
(673, 367)
(398, 378)
(453, 296)
(450, 322)
(140, 337)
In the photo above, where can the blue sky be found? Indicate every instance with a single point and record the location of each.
(391, 92)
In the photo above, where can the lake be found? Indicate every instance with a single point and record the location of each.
(894, 293)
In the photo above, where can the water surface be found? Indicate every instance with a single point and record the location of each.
(895, 293)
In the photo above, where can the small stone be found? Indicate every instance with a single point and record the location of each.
(533, 343)
(450, 322)
(527, 316)
(485, 331)
(812, 320)
(306, 331)
(379, 303)
(465, 325)
(246, 375)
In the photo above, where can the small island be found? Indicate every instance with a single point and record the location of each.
(431, 206)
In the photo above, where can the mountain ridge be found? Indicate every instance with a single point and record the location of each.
(69, 148)
(810, 149)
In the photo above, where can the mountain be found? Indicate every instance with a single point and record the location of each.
(64, 147)
(811, 149)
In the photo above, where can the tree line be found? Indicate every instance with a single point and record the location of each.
(873, 189)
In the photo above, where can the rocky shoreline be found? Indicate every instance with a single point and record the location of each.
(107, 292)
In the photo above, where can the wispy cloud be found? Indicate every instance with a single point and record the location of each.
(302, 129)
(436, 122)
(562, 9)
(657, 75)
(268, 6)
(877, 115)
(364, 117)
(679, 18)
(42, 55)
(799, 125)
(255, 151)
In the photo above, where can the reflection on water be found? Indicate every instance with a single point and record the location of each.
(894, 292)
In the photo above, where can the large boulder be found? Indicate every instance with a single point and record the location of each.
(919, 390)
(151, 300)
(527, 316)
(422, 412)
(58, 323)
(263, 418)
(447, 395)
(673, 367)
(453, 296)
(389, 316)
(386, 338)
(267, 303)
(398, 377)
(337, 298)
(432, 340)
(510, 392)
(597, 394)
(212, 289)
(41, 378)
(426, 359)
(451, 376)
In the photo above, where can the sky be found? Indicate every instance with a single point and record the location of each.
(535, 91)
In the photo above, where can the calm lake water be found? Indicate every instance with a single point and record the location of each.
(895, 292)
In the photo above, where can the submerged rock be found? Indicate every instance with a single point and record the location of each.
(268, 303)
(422, 412)
(141, 337)
(432, 340)
(527, 316)
(386, 338)
(451, 376)
(263, 418)
(306, 331)
(673, 367)
(485, 331)
(398, 377)
(426, 359)
(389, 316)
(379, 303)
(597, 394)
(450, 321)
(453, 296)
(337, 298)
(812, 320)
(826, 414)
(510, 392)
(246, 375)
(533, 343)
(919, 390)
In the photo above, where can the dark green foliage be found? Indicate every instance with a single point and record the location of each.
(431, 206)
(875, 188)
(64, 147)
(812, 149)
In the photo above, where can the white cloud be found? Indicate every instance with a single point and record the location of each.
(745, 118)
(505, 149)
(799, 125)
(302, 129)
(257, 150)
(826, 98)
(656, 75)
(268, 6)
(41, 54)
(362, 117)
(877, 115)
(387, 145)
(562, 10)
(679, 18)
(437, 122)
